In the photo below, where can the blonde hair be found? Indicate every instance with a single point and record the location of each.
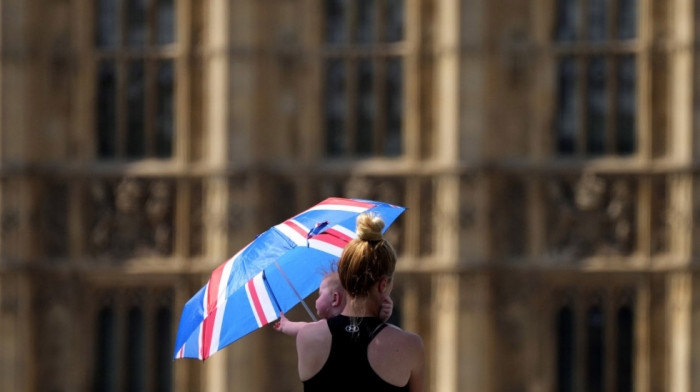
(334, 282)
(367, 259)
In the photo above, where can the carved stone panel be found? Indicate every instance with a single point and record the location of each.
(131, 217)
(591, 215)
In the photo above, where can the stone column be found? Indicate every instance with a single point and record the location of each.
(217, 107)
(16, 371)
(678, 319)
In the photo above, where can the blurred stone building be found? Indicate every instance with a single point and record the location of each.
(547, 150)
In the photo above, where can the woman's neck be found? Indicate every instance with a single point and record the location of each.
(361, 307)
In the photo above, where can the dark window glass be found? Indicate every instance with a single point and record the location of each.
(166, 22)
(394, 107)
(627, 19)
(597, 20)
(626, 105)
(165, 115)
(567, 20)
(135, 348)
(105, 355)
(135, 147)
(597, 104)
(107, 23)
(106, 109)
(566, 350)
(395, 20)
(335, 29)
(335, 107)
(163, 354)
(567, 116)
(366, 21)
(595, 359)
(625, 349)
(364, 139)
(136, 23)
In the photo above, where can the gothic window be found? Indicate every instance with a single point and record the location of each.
(363, 77)
(596, 73)
(596, 341)
(135, 78)
(133, 340)
(105, 351)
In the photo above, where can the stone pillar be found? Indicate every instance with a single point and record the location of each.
(460, 359)
(216, 69)
(16, 370)
(678, 319)
(443, 359)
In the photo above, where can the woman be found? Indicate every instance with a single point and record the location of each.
(356, 351)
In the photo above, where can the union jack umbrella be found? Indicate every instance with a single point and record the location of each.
(270, 275)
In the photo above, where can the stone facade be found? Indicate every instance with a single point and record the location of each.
(549, 243)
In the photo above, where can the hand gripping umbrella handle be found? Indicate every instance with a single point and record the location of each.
(296, 292)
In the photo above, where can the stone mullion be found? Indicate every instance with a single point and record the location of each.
(642, 337)
(183, 79)
(412, 82)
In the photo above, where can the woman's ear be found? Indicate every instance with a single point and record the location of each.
(383, 282)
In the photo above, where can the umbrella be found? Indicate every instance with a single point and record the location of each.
(270, 275)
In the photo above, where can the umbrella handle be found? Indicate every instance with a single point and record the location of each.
(296, 292)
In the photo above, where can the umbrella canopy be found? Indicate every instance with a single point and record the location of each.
(271, 275)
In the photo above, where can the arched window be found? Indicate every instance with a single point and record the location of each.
(135, 77)
(596, 73)
(363, 77)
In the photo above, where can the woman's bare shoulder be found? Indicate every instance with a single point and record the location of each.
(313, 331)
(406, 337)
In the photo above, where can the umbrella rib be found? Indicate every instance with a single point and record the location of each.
(296, 292)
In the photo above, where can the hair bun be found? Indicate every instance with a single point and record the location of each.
(369, 227)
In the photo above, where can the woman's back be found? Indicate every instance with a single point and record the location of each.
(347, 353)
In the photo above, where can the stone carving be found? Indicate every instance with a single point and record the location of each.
(592, 216)
(133, 218)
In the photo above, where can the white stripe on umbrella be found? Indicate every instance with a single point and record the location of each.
(287, 228)
(339, 207)
(259, 300)
(201, 329)
(214, 346)
(345, 231)
(325, 247)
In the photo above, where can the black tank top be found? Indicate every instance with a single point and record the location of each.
(347, 367)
